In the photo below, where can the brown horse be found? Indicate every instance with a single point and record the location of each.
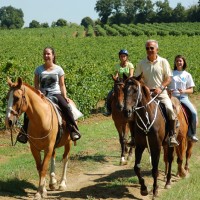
(42, 131)
(184, 149)
(149, 129)
(121, 122)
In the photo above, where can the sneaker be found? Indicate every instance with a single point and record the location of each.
(107, 114)
(173, 142)
(193, 138)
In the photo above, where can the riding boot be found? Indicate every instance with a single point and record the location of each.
(108, 104)
(172, 134)
(74, 132)
(22, 136)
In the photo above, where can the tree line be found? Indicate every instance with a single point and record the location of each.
(113, 12)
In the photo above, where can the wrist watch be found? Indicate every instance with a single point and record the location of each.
(162, 87)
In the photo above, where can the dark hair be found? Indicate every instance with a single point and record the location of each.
(53, 52)
(182, 57)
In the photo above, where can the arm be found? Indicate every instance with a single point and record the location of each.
(186, 91)
(165, 83)
(36, 82)
(131, 72)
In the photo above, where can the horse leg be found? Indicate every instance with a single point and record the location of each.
(165, 158)
(37, 156)
(188, 155)
(155, 155)
(138, 155)
(122, 143)
(53, 181)
(63, 182)
(170, 160)
(180, 151)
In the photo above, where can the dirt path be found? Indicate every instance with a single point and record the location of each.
(97, 185)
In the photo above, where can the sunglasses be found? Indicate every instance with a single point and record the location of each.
(150, 48)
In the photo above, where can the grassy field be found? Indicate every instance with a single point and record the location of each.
(98, 147)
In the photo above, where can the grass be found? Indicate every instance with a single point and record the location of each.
(99, 145)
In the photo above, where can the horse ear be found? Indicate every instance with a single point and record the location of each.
(9, 82)
(19, 81)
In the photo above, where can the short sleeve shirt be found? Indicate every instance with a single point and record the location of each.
(181, 80)
(124, 70)
(49, 80)
(154, 73)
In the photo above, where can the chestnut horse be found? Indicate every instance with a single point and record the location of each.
(42, 131)
(120, 121)
(184, 149)
(149, 129)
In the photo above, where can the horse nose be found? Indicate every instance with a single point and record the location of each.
(128, 113)
(120, 106)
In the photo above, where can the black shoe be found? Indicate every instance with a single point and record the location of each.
(75, 136)
(107, 114)
(22, 138)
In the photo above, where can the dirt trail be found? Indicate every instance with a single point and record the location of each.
(96, 185)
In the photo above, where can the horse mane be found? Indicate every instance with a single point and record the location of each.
(34, 90)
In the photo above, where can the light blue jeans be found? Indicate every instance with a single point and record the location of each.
(194, 118)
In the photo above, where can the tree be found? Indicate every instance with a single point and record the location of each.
(34, 24)
(44, 25)
(104, 8)
(164, 12)
(11, 17)
(179, 13)
(87, 21)
(144, 11)
(61, 22)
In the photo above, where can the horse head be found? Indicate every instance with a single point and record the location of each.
(16, 104)
(118, 92)
(134, 92)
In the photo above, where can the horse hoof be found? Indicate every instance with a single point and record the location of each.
(123, 163)
(62, 188)
(37, 196)
(144, 192)
(167, 186)
(130, 157)
(52, 186)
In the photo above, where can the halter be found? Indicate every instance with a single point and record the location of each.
(23, 102)
(135, 109)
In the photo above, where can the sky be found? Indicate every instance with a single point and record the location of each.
(70, 10)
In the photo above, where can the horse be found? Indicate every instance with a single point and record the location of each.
(42, 131)
(184, 149)
(149, 129)
(121, 123)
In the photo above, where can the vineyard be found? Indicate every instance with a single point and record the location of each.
(88, 56)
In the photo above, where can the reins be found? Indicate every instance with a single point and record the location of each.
(135, 109)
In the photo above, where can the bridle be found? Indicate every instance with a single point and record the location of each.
(23, 102)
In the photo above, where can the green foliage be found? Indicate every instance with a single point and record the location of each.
(11, 18)
(89, 61)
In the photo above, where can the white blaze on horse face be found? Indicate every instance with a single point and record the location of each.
(10, 104)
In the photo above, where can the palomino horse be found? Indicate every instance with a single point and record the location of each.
(121, 123)
(149, 129)
(184, 149)
(42, 131)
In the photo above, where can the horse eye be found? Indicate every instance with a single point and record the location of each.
(16, 98)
